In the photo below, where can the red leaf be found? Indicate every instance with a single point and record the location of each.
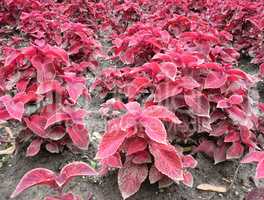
(48, 86)
(79, 136)
(235, 99)
(219, 154)
(56, 133)
(235, 151)
(188, 161)
(207, 147)
(38, 176)
(130, 178)
(154, 175)
(166, 90)
(127, 121)
(239, 116)
(232, 136)
(169, 69)
(134, 145)
(70, 196)
(167, 160)
(220, 128)
(198, 103)
(187, 179)
(45, 71)
(260, 170)
(215, 79)
(161, 113)
(34, 147)
(36, 124)
(15, 110)
(113, 161)
(75, 91)
(187, 82)
(135, 86)
(110, 144)
(165, 182)
(57, 117)
(253, 156)
(141, 157)
(57, 53)
(25, 97)
(245, 135)
(155, 129)
(4, 115)
(52, 148)
(77, 116)
(133, 108)
(72, 170)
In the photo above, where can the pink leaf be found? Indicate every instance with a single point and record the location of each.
(207, 147)
(161, 113)
(198, 103)
(215, 79)
(15, 110)
(72, 170)
(187, 179)
(52, 148)
(57, 117)
(220, 128)
(127, 121)
(187, 82)
(167, 160)
(135, 86)
(77, 116)
(261, 70)
(165, 182)
(134, 145)
(169, 69)
(36, 124)
(130, 178)
(133, 108)
(245, 135)
(38, 176)
(232, 136)
(189, 161)
(56, 133)
(154, 175)
(235, 151)
(166, 90)
(155, 129)
(48, 86)
(239, 116)
(79, 136)
(75, 90)
(235, 99)
(110, 143)
(260, 170)
(141, 157)
(34, 147)
(219, 154)
(113, 161)
(253, 156)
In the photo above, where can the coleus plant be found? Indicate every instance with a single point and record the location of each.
(140, 136)
(43, 176)
(39, 75)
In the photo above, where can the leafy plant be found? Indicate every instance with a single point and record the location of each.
(141, 137)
